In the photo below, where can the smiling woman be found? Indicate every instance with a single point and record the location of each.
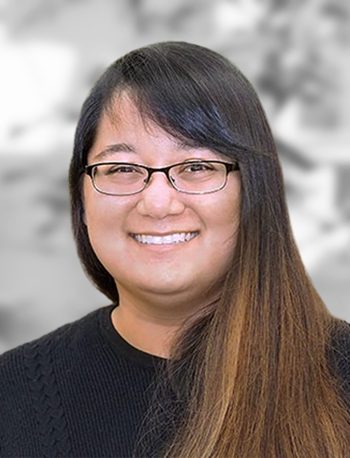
(216, 343)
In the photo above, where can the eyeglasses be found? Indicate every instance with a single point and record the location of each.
(191, 177)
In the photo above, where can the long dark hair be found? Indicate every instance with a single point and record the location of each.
(257, 377)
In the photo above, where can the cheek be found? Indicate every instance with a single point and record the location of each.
(224, 232)
(97, 207)
(224, 214)
(102, 216)
(225, 223)
(104, 221)
(222, 222)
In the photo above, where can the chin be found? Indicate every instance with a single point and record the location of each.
(163, 285)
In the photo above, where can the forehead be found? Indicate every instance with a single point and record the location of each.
(121, 110)
(123, 120)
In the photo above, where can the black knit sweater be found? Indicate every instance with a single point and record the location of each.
(82, 391)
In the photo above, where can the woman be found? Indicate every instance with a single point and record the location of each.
(216, 343)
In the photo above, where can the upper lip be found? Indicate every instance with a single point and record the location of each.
(162, 234)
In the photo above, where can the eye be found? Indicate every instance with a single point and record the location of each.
(121, 169)
(197, 167)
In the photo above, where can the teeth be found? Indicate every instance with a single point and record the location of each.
(166, 240)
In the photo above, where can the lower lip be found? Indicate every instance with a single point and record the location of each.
(165, 246)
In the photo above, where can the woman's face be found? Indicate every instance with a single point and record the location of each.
(190, 270)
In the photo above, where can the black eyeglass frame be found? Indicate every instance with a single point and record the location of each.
(230, 166)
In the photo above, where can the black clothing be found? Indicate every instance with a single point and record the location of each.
(82, 391)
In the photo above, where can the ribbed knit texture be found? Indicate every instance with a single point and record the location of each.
(83, 391)
(80, 391)
(47, 403)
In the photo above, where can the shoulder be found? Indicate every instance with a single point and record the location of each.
(32, 374)
(13, 362)
(339, 353)
(58, 344)
(35, 378)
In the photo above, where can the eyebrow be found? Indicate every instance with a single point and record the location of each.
(126, 148)
(115, 148)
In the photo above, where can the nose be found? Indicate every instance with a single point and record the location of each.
(159, 199)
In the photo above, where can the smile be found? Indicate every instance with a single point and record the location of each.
(177, 237)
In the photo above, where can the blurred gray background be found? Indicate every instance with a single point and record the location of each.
(296, 53)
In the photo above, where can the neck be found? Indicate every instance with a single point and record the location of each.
(149, 322)
(149, 332)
